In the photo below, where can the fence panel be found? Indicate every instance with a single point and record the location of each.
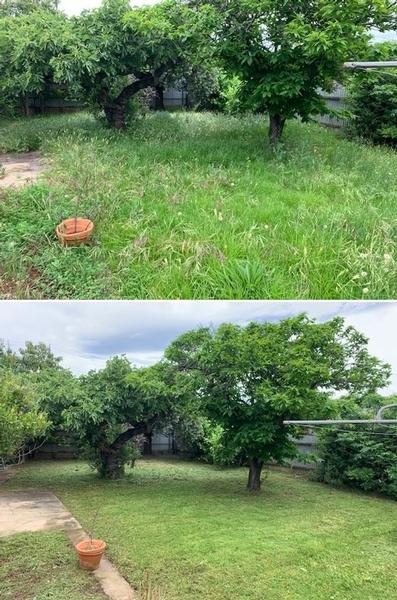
(336, 99)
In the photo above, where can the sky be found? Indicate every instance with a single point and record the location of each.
(87, 333)
(74, 7)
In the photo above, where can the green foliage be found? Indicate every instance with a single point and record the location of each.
(32, 358)
(15, 8)
(231, 93)
(373, 98)
(118, 51)
(57, 391)
(117, 404)
(37, 357)
(284, 52)
(200, 438)
(204, 84)
(250, 379)
(189, 436)
(28, 44)
(364, 458)
(216, 449)
(53, 388)
(21, 421)
(105, 56)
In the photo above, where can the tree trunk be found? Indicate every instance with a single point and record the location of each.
(116, 115)
(159, 100)
(25, 105)
(254, 476)
(147, 444)
(276, 127)
(112, 465)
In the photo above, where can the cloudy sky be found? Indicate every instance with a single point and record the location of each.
(74, 7)
(86, 334)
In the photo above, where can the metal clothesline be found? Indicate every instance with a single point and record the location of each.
(383, 64)
(376, 421)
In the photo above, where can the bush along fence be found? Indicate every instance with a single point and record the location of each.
(364, 459)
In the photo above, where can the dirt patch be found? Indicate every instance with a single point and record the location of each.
(12, 288)
(17, 170)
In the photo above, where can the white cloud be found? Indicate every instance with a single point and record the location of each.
(85, 334)
(75, 7)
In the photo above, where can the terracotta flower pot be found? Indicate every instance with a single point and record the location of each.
(90, 553)
(75, 231)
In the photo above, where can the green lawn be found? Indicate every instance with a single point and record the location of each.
(192, 532)
(190, 205)
(43, 566)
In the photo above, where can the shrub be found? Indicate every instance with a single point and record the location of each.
(200, 438)
(373, 99)
(204, 87)
(364, 459)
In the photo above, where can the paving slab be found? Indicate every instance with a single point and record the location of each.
(34, 510)
(17, 170)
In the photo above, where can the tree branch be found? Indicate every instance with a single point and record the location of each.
(143, 427)
(144, 80)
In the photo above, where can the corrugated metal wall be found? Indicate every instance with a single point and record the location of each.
(335, 100)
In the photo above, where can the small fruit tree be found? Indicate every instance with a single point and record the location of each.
(117, 404)
(116, 51)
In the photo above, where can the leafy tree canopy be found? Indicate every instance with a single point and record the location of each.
(118, 50)
(32, 358)
(21, 421)
(119, 403)
(285, 51)
(28, 44)
(15, 8)
(250, 379)
(53, 387)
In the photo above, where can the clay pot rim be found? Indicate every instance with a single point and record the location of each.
(99, 548)
(60, 228)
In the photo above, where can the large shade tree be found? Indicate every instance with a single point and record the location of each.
(249, 379)
(118, 50)
(284, 51)
(119, 403)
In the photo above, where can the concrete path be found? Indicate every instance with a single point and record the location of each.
(17, 170)
(32, 510)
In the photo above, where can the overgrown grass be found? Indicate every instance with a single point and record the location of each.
(192, 531)
(43, 566)
(197, 206)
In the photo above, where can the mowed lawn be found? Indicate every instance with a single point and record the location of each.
(43, 566)
(190, 531)
(196, 205)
